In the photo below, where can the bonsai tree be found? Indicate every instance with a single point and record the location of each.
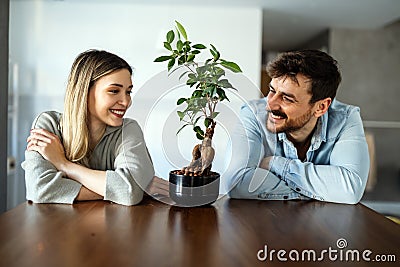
(208, 86)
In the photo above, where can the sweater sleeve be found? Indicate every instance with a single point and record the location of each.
(44, 183)
(133, 168)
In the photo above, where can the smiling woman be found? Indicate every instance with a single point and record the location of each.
(90, 151)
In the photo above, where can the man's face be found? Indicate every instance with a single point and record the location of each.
(288, 105)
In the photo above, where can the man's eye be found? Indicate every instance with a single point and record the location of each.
(286, 99)
(272, 91)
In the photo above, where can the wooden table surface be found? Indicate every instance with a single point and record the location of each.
(228, 233)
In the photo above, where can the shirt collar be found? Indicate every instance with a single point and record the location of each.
(319, 135)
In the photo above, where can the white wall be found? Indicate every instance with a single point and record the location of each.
(46, 36)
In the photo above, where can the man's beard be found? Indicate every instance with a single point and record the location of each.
(289, 126)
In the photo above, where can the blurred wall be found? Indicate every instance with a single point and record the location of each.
(370, 64)
(4, 15)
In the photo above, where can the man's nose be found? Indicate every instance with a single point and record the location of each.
(273, 102)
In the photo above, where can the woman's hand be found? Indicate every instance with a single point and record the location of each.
(158, 186)
(48, 145)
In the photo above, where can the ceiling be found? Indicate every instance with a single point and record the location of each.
(289, 23)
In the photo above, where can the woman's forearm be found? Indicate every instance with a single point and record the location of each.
(94, 180)
(86, 194)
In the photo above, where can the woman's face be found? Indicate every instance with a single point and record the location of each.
(109, 98)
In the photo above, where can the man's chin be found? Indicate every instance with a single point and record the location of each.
(272, 128)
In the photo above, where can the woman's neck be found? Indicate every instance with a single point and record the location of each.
(96, 133)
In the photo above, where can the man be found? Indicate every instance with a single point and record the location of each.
(299, 142)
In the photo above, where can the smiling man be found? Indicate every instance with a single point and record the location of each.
(299, 142)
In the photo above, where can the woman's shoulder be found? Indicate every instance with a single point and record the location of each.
(48, 120)
(131, 123)
(130, 127)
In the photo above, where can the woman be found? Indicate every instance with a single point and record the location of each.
(90, 151)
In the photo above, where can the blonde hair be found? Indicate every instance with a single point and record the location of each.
(87, 68)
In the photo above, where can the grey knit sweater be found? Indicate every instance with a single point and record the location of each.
(121, 152)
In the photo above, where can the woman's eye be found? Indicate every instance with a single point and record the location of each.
(114, 91)
(129, 92)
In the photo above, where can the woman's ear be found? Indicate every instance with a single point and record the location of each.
(322, 106)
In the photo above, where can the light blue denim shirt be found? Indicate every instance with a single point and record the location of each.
(336, 165)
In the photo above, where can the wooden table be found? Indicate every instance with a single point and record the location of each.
(228, 233)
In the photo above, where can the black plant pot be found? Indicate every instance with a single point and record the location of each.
(191, 191)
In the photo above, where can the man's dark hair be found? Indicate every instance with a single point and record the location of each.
(320, 67)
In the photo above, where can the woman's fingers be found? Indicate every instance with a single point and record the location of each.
(41, 135)
(40, 138)
(158, 186)
(161, 183)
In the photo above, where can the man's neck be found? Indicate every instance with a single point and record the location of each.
(301, 138)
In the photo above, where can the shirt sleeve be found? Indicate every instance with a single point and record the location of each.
(133, 168)
(247, 180)
(44, 183)
(343, 180)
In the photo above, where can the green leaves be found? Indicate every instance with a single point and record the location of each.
(181, 101)
(199, 46)
(168, 46)
(162, 58)
(231, 66)
(170, 36)
(207, 122)
(215, 53)
(171, 63)
(179, 45)
(181, 29)
(206, 81)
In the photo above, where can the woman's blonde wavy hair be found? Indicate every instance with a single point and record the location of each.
(87, 68)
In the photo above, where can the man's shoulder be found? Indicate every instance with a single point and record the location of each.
(339, 112)
(340, 115)
(338, 108)
(256, 105)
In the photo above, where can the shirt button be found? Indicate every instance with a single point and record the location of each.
(298, 189)
(279, 176)
(285, 197)
(286, 184)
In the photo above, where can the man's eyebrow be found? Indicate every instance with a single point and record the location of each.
(285, 94)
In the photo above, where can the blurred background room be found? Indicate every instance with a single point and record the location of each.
(44, 37)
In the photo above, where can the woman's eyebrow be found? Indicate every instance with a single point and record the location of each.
(120, 85)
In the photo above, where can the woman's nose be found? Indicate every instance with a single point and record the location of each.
(125, 100)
